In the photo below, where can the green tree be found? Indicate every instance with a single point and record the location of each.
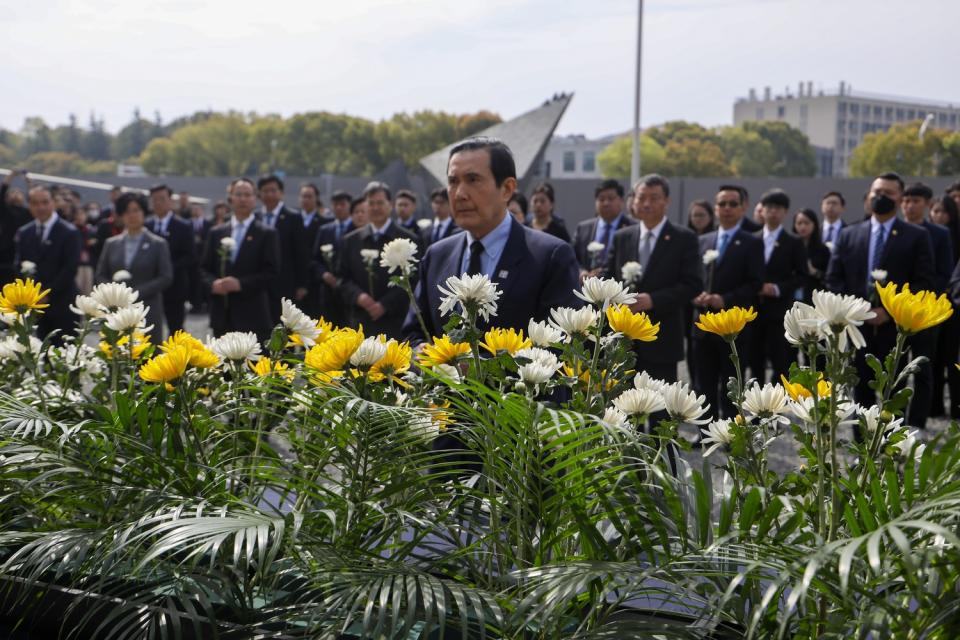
(35, 137)
(69, 137)
(615, 159)
(898, 149)
(699, 158)
(949, 164)
(747, 152)
(60, 163)
(134, 138)
(317, 143)
(793, 153)
(97, 141)
(8, 156)
(218, 146)
(681, 130)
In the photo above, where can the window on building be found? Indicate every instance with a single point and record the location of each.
(569, 161)
(853, 127)
(781, 112)
(841, 125)
(900, 115)
(759, 113)
(851, 143)
(911, 114)
(854, 109)
(877, 112)
(953, 119)
(842, 108)
(589, 161)
(889, 113)
(942, 120)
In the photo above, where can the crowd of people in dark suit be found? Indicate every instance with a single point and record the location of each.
(257, 250)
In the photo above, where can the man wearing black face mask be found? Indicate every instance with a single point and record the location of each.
(886, 249)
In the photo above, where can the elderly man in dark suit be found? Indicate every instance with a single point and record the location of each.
(610, 218)
(12, 217)
(882, 242)
(294, 253)
(143, 255)
(669, 274)
(785, 265)
(325, 255)
(53, 247)
(241, 270)
(733, 278)
(179, 236)
(382, 309)
(534, 271)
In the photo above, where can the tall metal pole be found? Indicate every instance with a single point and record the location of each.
(635, 160)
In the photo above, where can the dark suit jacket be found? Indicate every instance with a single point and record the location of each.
(256, 267)
(179, 238)
(536, 273)
(57, 260)
(672, 278)
(426, 235)
(787, 269)
(294, 256)
(355, 280)
(327, 234)
(200, 237)
(738, 275)
(12, 217)
(907, 258)
(557, 228)
(586, 232)
(943, 258)
(410, 225)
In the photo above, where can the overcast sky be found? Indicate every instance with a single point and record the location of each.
(373, 58)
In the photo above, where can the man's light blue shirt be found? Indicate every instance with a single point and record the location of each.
(874, 225)
(602, 228)
(493, 245)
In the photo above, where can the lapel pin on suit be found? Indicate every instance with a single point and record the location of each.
(249, 238)
(503, 275)
(894, 232)
(666, 237)
(736, 242)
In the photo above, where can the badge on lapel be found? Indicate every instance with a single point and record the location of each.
(249, 238)
(666, 237)
(736, 242)
(503, 275)
(894, 232)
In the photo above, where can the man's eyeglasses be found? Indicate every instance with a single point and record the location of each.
(728, 203)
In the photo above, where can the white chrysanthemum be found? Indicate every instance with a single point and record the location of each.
(10, 347)
(369, 256)
(718, 434)
(615, 418)
(81, 358)
(643, 380)
(326, 249)
(129, 318)
(122, 275)
(296, 321)
(369, 352)
(802, 324)
(631, 271)
(767, 401)
(604, 292)
(879, 275)
(447, 371)
(542, 334)
(595, 247)
(114, 295)
(829, 245)
(535, 373)
(803, 409)
(683, 404)
(399, 255)
(10, 319)
(28, 268)
(539, 356)
(227, 242)
(87, 306)
(905, 446)
(476, 291)
(424, 224)
(573, 321)
(639, 402)
(843, 314)
(871, 420)
(236, 346)
(710, 255)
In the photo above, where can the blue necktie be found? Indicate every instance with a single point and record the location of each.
(722, 243)
(607, 232)
(270, 220)
(237, 239)
(436, 232)
(879, 240)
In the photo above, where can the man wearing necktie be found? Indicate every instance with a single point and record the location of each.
(785, 264)
(734, 279)
(53, 245)
(179, 237)
(669, 279)
(12, 217)
(382, 309)
(831, 206)
(610, 218)
(240, 279)
(294, 251)
(325, 254)
(884, 242)
(443, 225)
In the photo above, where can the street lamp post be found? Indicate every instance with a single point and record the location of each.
(635, 159)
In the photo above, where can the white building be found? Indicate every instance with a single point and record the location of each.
(836, 121)
(572, 156)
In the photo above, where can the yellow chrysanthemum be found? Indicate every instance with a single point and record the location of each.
(441, 351)
(394, 363)
(200, 356)
(166, 366)
(582, 374)
(326, 330)
(796, 391)
(727, 323)
(332, 356)
(265, 367)
(636, 326)
(21, 297)
(914, 312)
(141, 343)
(497, 340)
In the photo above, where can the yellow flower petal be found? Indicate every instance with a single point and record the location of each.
(167, 366)
(497, 340)
(441, 351)
(333, 355)
(636, 326)
(22, 296)
(394, 363)
(727, 323)
(914, 312)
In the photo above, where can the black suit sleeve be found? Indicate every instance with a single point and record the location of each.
(689, 281)
(798, 268)
(269, 264)
(70, 261)
(562, 279)
(745, 294)
(836, 268)
(924, 275)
